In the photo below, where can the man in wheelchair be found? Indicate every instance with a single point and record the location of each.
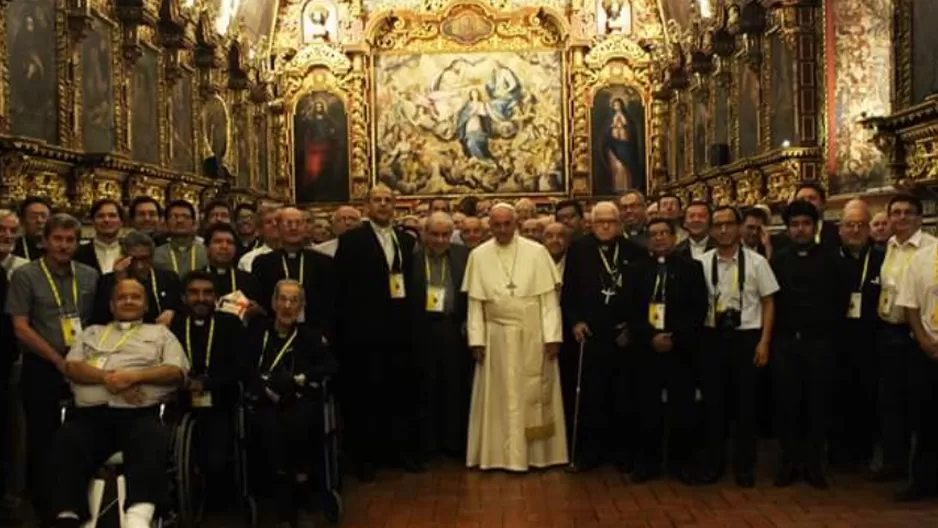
(212, 341)
(285, 418)
(120, 373)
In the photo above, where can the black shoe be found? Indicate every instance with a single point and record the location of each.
(786, 476)
(746, 480)
(684, 476)
(641, 476)
(887, 474)
(914, 493)
(365, 472)
(709, 476)
(816, 479)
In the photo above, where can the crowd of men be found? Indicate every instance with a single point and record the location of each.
(635, 334)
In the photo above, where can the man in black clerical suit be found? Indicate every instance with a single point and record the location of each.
(103, 251)
(826, 233)
(440, 308)
(374, 268)
(311, 269)
(212, 342)
(595, 308)
(34, 211)
(164, 291)
(669, 306)
(810, 305)
(221, 246)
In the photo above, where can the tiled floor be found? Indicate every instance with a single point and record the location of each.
(450, 496)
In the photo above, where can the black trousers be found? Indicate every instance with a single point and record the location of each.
(599, 423)
(43, 389)
(802, 368)
(729, 375)
(6, 421)
(925, 460)
(672, 371)
(381, 386)
(897, 370)
(213, 435)
(854, 424)
(446, 369)
(90, 436)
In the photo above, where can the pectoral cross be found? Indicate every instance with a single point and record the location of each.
(609, 293)
(511, 288)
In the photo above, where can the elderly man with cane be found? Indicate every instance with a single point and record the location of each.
(595, 306)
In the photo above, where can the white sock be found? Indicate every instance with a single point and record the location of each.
(139, 515)
(68, 515)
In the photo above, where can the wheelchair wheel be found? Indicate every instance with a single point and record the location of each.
(191, 489)
(182, 469)
(333, 507)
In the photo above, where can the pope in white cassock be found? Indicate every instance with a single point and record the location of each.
(516, 416)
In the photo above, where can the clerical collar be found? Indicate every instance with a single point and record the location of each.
(198, 322)
(181, 244)
(662, 259)
(219, 270)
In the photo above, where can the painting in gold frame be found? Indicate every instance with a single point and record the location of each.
(456, 123)
(97, 89)
(31, 62)
(181, 141)
(619, 156)
(750, 95)
(145, 116)
(320, 149)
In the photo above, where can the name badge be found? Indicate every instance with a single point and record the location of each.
(886, 300)
(71, 327)
(436, 296)
(202, 400)
(98, 361)
(397, 285)
(656, 315)
(856, 305)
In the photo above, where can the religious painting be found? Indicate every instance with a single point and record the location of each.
(924, 49)
(749, 96)
(97, 89)
(244, 149)
(320, 22)
(215, 132)
(31, 59)
(145, 118)
(462, 123)
(260, 139)
(183, 146)
(699, 136)
(783, 86)
(320, 152)
(614, 17)
(617, 129)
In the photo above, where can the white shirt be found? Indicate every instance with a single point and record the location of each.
(919, 289)
(386, 239)
(247, 261)
(328, 248)
(697, 249)
(892, 274)
(107, 254)
(11, 262)
(759, 282)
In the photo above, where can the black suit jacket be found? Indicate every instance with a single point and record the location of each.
(246, 282)
(168, 287)
(686, 302)
(684, 247)
(367, 315)
(222, 373)
(86, 255)
(8, 346)
(585, 278)
(24, 242)
(318, 283)
(456, 259)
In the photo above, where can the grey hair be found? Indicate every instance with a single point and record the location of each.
(135, 239)
(636, 192)
(289, 282)
(7, 213)
(441, 218)
(605, 205)
(62, 221)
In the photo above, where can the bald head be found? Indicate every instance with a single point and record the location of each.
(344, 218)
(381, 205)
(556, 239)
(859, 206)
(293, 228)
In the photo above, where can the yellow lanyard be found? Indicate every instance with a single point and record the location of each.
(172, 255)
(663, 284)
(55, 289)
(279, 354)
(121, 341)
(426, 261)
(208, 347)
(866, 267)
(609, 269)
(286, 270)
(817, 235)
(156, 293)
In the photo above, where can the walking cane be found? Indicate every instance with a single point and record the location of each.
(576, 405)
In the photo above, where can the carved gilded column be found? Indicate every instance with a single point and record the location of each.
(79, 21)
(802, 32)
(4, 72)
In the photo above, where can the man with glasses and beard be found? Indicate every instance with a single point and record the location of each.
(595, 309)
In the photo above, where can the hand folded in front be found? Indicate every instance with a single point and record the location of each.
(119, 380)
(662, 342)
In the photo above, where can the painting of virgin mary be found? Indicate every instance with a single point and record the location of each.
(618, 131)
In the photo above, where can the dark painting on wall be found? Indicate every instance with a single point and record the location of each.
(617, 127)
(701, 119)
(97, 90)
(183, 144)
(783, 86)
(244, 150)
(260, 140)
(216, 128)
(924, 49)
(31, 56)
(749, 96)
(145, 118)
(320, 149)
(721, 118)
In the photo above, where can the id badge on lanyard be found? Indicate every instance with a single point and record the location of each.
(855, 308)
(656, 315)
(71, 328)
(436, 297)
(397, 285)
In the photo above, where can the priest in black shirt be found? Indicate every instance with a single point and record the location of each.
(164, 291)
(854, 423)
(669, 305)
(825, 233)
(595, 309)
(212, 342)
(810, 306)
(221, 245)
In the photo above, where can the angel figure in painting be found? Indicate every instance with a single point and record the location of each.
(316, 28)
(618, 16)
(620, 147)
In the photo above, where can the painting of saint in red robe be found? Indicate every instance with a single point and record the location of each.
(320, 148)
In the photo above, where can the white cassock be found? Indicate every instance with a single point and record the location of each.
(516, 415)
